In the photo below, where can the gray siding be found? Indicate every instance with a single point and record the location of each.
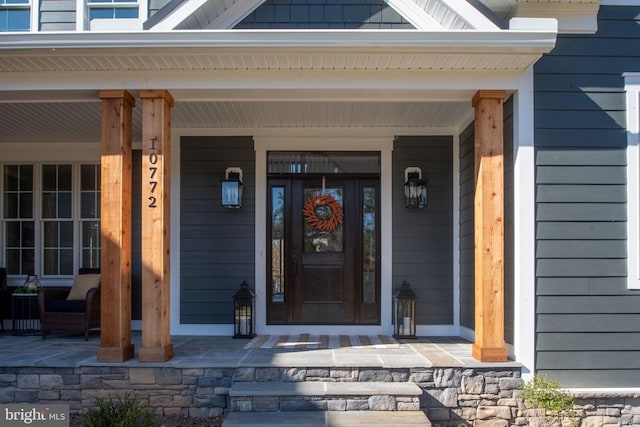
(336, 14)
(467, 263)
(136, 236)
(57, 15)
(155, 6)
(422, 238)
(588, 323)
(509, 282)
(216, 244)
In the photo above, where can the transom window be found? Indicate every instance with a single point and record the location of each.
(51, 218)
(15, 15)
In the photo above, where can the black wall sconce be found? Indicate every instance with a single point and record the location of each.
(415, 188)
(231, 188)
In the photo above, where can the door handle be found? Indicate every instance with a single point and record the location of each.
(295, 265)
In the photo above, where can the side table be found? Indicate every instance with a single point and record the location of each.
(26, 317)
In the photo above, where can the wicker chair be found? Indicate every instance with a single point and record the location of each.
(59, 312)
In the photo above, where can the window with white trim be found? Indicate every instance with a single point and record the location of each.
(632, 88)
(112, 9)
(51, 218)
(15, 15)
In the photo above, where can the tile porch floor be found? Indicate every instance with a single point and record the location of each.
(71, 350)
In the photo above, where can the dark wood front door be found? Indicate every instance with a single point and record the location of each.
(324, 250)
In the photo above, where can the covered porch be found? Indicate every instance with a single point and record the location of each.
(364, 86)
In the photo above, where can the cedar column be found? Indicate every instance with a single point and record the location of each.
(489, 227)
(115, 227)
(156, 142)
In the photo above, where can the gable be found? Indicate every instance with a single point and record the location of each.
(324, 14)
(435, 15)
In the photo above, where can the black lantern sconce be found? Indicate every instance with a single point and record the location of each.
(231, 188)
(244, 307)
(404, 307)
(415, 188)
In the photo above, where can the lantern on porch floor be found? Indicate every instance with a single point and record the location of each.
(243, 312)
(404, 303)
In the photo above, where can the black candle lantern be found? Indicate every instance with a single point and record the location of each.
(415, 188)
(404, 303)
(231, 188)
(243, 312)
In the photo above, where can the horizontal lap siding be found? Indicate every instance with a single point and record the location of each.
(422, 238)
(216, 244)
(587, 322)
(509, 281)
(466, 233)
(57, 15)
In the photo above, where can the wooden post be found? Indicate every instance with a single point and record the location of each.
(489, 227)
(156, 143)
(115, 227)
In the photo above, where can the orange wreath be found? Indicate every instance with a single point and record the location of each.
(323, 212)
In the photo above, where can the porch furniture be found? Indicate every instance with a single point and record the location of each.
(24, 314)
(75, 308)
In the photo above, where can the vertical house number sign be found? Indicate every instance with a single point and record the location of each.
(153, 174)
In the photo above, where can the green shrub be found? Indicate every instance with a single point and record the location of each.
(121, 412)
(544, 393)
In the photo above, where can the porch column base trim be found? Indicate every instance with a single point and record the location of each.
(489, 354)
(155, 354)
(115, 354)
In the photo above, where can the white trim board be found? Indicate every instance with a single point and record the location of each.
(632, 88)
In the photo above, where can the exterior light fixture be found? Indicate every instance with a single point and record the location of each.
(231, 188)
(404, 306)
(244, 307)
(415, 188)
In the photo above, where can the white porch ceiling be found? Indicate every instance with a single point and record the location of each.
(81, 121)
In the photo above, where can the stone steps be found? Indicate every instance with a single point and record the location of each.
(324, 396)
(325, 403)
(327, 418)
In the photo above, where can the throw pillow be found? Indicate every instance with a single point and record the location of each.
(81, 285)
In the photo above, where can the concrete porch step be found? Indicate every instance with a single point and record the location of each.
(321, 388)
(324, 396)
(328, 418)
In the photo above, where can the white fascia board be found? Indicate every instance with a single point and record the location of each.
(180, 14)
(471, 15)
(578, 18)
(247, 41)
(413, 13)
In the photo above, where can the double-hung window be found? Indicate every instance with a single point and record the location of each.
(15, 15)
(51, 218)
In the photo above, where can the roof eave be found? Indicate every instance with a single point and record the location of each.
(539, 40)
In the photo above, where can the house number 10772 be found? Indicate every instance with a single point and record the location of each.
(153, 170)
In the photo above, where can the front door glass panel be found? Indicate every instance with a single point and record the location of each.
(277, 243)
(369, 245)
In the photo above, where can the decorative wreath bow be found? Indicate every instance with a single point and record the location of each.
(322, 212)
